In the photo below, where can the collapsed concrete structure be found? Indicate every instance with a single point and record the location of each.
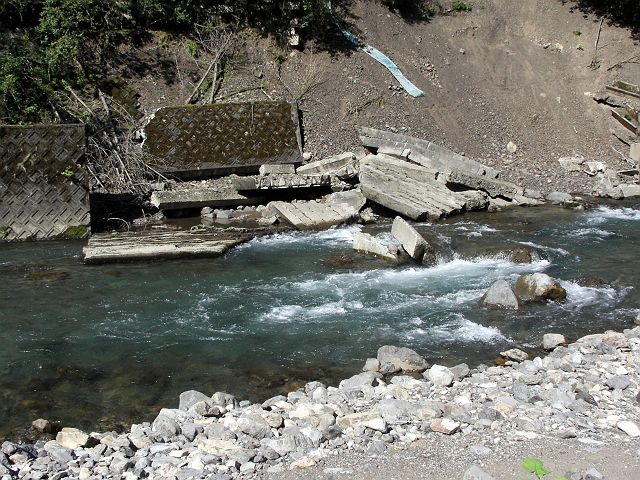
(416, 179)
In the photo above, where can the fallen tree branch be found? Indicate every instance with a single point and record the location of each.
(630, 59)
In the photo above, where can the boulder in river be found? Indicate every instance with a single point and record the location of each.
(553, 340)
(404, 358)
(538, 287)
(501, 295)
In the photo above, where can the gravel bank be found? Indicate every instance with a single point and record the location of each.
(581, 398)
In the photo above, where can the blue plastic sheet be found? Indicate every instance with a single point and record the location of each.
(380, 57)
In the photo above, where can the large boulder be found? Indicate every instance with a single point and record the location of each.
(403, 358)
(539, 286)
(72, 438)
(500, 295)
(190, 398)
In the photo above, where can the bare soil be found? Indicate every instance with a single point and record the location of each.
(447, 458)
(487, 76)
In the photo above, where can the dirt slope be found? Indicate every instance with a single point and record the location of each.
(487, 78)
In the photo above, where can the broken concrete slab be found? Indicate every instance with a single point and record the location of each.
(422, 152)
(497, 204)
(629, 190)
(474, 199)
(495, 188)
(408, 189)
(412, 242)
(280, 181)
(198, 198)
(343, 164)
(366, 243)
(313, 215)
(523, 201)
(130, 246)
(353, 198)
(277, 168)
(634, 152)
(212, 140)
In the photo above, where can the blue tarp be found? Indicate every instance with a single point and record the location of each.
(380, 57)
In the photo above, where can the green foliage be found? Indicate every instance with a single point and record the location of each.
(76, 232)
(580, 47)
(577, 32)
(192, 48)
(48, 47)
(461, 7)
(535, 466)
(67, 172)
(433, 7)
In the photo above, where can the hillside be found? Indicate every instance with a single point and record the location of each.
(487, 76)
(503, 71)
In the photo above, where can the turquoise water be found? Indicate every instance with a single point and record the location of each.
(101, 346)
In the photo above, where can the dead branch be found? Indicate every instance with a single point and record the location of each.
(628, 60)
(219, 42)
(201, 81)
(599, 32)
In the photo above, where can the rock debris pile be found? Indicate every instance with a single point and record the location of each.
(588, 389)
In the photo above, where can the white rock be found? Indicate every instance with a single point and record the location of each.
(72, 438)
(552, 340)
(512, 147)
(630, 428)
(440, 376)
(371, 365)
(445, 425)
(304, 462)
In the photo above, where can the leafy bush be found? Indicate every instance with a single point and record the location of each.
(461, 7)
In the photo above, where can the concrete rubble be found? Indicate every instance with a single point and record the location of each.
(376, 247)
(313, 214)
(129, 246)
(414, 178)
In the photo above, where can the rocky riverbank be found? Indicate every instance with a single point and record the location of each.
(588, 391)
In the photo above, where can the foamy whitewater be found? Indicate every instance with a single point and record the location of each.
(118, 340)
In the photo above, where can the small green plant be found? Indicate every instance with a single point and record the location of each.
(192, 48)
(182, 16)
(580, 46)
(577, 32)
(67, 173)
(535, 466)
(461, 7)
(433, 8)
(279, 58)
(163, 43)
(5, 232)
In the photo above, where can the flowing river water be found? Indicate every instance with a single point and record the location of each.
(99, 346)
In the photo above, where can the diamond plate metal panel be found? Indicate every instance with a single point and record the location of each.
(225, 135)
(36, 200)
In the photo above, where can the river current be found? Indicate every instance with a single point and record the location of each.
(100, 346)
